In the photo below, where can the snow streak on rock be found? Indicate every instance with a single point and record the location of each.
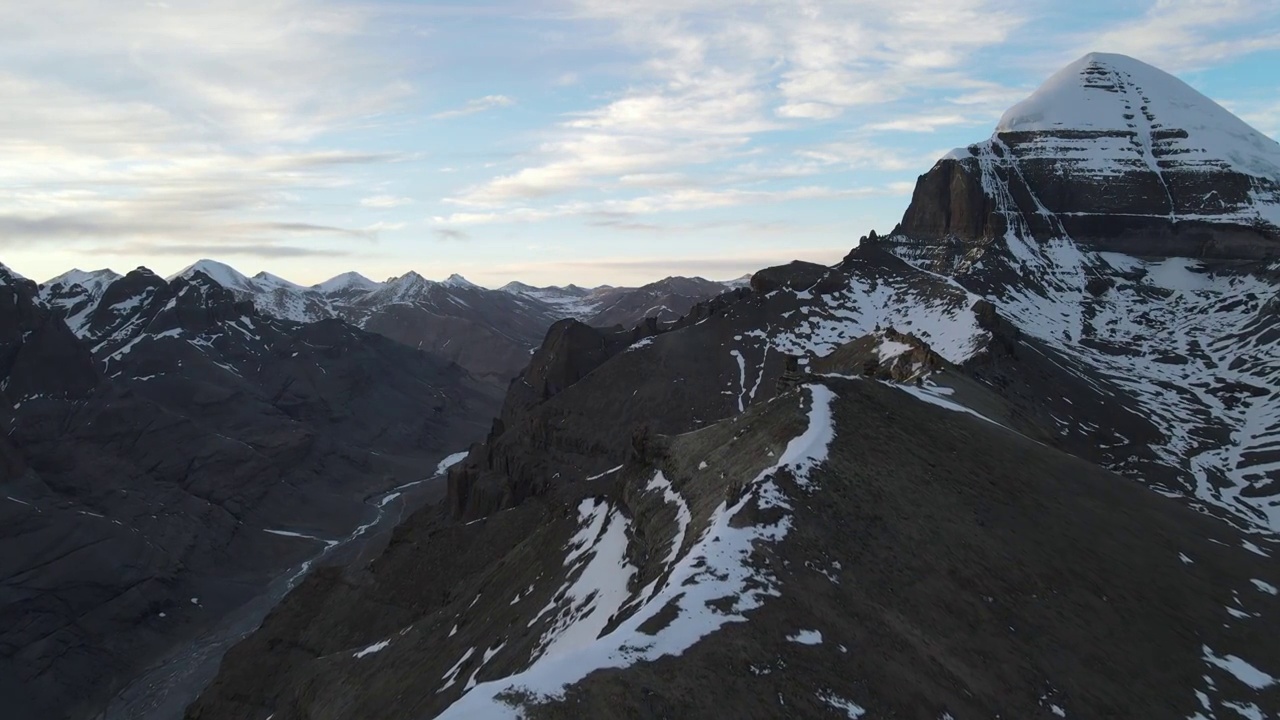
(716, 566)
(1196, 350)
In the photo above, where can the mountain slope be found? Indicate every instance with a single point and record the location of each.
(171, 466)
(605, 306)
(841, 547)
(1109, 257)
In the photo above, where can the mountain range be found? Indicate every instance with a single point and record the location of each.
(488, 332)
(1017, 457)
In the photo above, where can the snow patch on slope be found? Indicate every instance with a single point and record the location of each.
(940, 315)
(716, 567)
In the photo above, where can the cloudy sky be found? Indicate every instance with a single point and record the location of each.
(546, 140)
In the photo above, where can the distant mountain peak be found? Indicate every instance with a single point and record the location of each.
(456, 280)
(92, 280)
(410, 278)
(7, 274)
(346, 281)
(221, 273)
(275, 281)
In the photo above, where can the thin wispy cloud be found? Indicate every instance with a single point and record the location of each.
(1188, 34)
(713, 82)
(920, 123)
(450, 234)
(479, 105)
(684, 200)
(268, 252)
(385, 201)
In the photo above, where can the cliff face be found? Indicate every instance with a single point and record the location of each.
(1119, 157)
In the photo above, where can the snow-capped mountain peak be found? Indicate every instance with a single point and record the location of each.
(266, 279)
(457, 281)
(95, 281)
(1117, 155)
(1131, 224)
(515, 286)
(221, 273)
(1106, 92)
(347, 281)
(409, 278)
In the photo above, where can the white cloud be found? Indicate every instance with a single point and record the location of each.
(714, 78)
(920, 123)
(579, 161)
(809, 111)
(385, 201)
(196, 122)
(1186, 34)
(681, 200)
(478, 105)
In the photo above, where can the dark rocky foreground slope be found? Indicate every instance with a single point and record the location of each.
(160, 473)
(840, 549)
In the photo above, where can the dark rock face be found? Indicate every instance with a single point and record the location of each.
(797, 275)
(141, 466)
(949, 201)
(886, 355)
(39, 356)
(488, 332)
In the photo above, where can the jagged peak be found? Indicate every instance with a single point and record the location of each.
(89, 279)
(409, 278)
(457, 281)
(7, 274)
